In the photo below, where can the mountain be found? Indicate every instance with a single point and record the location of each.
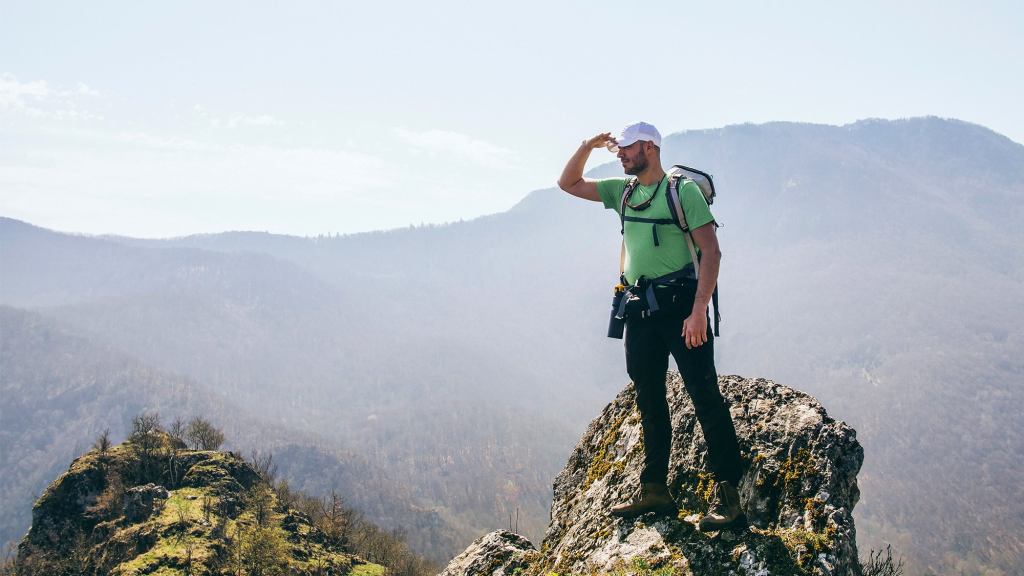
(311, 356)
(875, 266)
(799, 493)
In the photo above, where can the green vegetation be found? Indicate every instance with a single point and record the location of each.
(368, 570)
(152, 506)
(793, 470)
(601, 464)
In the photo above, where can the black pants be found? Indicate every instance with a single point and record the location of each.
(649, 341)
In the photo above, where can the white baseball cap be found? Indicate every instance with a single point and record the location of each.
(639, 131)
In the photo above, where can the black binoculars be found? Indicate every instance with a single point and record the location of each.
(616, 323)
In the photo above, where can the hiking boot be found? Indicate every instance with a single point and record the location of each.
(725, 511)
(653, 498)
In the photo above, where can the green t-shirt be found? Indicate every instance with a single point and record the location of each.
(643, 257)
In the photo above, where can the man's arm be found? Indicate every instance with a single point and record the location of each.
(695, 327)
(572, 180)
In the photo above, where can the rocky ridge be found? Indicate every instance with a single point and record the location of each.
(154, 507)
(799, 489)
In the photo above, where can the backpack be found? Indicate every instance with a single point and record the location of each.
(677, 176)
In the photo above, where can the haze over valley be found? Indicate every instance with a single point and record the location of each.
(438, 376)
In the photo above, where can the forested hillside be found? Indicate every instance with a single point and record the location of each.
(61, 392)
(875, 266)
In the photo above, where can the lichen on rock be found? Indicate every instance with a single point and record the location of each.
(499, 553)
(141, 501)
(799, 488)
(115, 512)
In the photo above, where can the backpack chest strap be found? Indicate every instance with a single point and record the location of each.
(654, 222)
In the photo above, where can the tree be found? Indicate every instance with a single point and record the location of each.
(145, 423)
(146, 440)
(145, 431)
(333, 519)
(177, 429)
(264, 552)
(264, 466)
(202, 435)
(879, 566)
(102, 443)
(260, 500)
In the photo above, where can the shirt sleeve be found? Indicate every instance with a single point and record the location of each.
(610, 190)
(694, 206)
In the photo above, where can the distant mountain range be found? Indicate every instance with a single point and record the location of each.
(876, 266)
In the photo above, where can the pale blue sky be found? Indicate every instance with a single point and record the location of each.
(163, 119)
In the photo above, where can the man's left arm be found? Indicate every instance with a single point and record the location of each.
(695, 327)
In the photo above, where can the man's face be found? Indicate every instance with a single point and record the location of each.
(634, 157)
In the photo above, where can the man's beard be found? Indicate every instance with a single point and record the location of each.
(637, 166)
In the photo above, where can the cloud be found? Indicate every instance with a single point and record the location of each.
(438, 142)
(237, 120)
(24, 96)
(146, 184)
(38, 99)
(261, 120)
(85, 90)
(144, 181)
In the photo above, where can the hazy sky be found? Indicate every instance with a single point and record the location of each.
(170, 118)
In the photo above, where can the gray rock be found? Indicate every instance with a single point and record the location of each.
(499, 553)
(799, 489)
(141, 501)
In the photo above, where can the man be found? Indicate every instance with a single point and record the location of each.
(679, 327)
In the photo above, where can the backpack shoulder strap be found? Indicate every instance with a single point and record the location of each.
(627, 191)
(679, 215)
(675, 206)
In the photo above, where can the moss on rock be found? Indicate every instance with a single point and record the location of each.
(208, 524)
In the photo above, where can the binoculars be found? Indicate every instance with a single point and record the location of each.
(617, 323)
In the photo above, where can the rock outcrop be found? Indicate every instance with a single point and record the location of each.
(501, 552)
(799, 489)
(141, 501)
(155, 507)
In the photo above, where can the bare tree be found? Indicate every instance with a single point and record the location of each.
(145, 429)
(264, 466)
(202, 435)
(177, 429)
(8, 565)
(102, 443)
(145, 423)
(333, 519)
(879, 566)
(146, 440)
(286, 497)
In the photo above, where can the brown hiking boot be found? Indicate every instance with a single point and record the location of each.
(725, 511)
(653, 498)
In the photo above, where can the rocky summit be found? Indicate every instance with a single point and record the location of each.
(151, 506)
(798, 490)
